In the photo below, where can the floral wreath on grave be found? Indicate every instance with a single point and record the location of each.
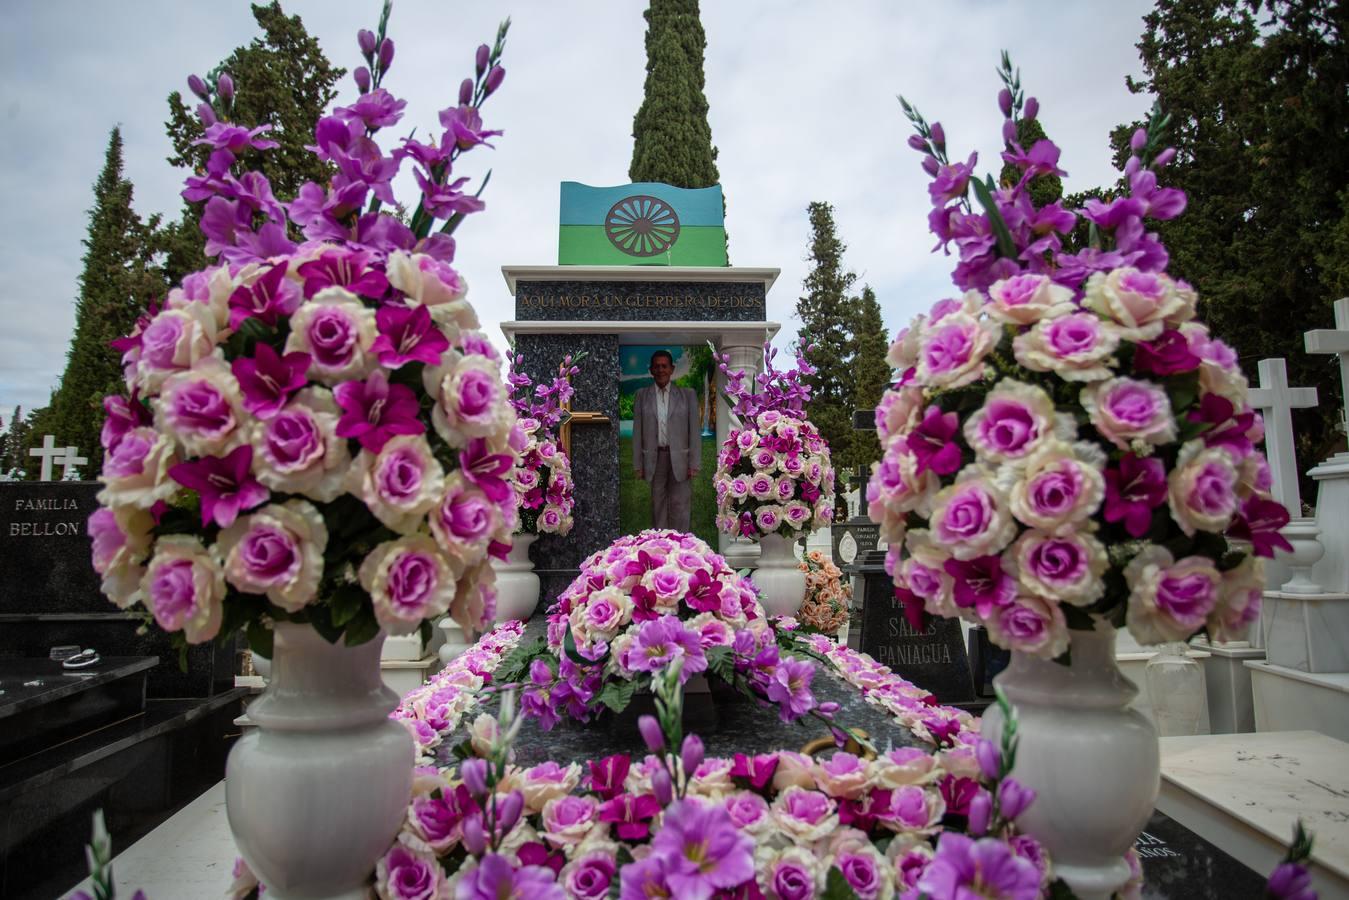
(773, 472)
(314, 431)
(825, 609)
(1066, 442)
(649, 601)
(542, 477)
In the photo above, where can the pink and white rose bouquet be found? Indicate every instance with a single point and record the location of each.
(1066, 442)
(774, 475)
(542, 477)
(316, 431)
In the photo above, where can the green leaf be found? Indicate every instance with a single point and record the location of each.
(984, 194)
(836, 887)
(260, 639)
(721, 663)
(1076, 617)
(1059, 890)
(569, 647)
(345, 604)
(618, 694)
(362, 628)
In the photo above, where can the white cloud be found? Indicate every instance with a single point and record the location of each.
(802, 99)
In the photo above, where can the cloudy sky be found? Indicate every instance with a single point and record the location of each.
(802, 98)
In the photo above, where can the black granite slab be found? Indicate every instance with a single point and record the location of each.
(934, 658)
(866, 535)
(1180, 865)
(45, 563)
(640, 301)
(727, 721)
(29, 683)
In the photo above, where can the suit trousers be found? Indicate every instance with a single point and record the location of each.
(670, 499)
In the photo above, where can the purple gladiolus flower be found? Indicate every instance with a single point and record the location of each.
(790, 688)
(1260, 521)
(234, 138)
(1133, 490)
(703, 850)
(489, 471)
(981, 583)
(608, 774)
(122, 415)
(758, 770)
(495, 877)
(407, 334)
(365, 39)
(652, 736)
(1041, 159)
(981, 812)
(494, 79)
(463, 127)
(375, 410)
(1014, 797)
(933, 444)
(1290, 881)
(984, 868)
(376, 109)
(267, 299)
(630, 815)
(662, 639)
(990, 758)
(344, 268)
(267, 380)
(444, 200)
(226, 485)
(950, 181)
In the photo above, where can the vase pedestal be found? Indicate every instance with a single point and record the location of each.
(517, 585)
(781, 583)
(1091, 760)
(317, 792)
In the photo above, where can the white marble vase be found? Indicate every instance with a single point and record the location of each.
(316, 793)
(781, 583)
(1093, 763)
(517, 586)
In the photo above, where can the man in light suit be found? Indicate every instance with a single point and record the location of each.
(667, 443)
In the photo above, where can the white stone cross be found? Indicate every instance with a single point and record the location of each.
(50, 453)
(1276, 401)
(70, 462)
(1335, 341)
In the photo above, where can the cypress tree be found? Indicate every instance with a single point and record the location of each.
(871, 373)
(281, 79)
(11, 444)
(825, 311)
(115, 286)
(672, 140)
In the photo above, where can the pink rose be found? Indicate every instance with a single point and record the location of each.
(970, 518)
(1168, 599)
(1076, 347)
(1025, 299)
(1067, 567)
(1139, 302)
(1031, 625)
(408, 580)
(184, 588)
(1124, 410)
(1201, 489)
(952, 352)
(1013, 422)
(1057, 491)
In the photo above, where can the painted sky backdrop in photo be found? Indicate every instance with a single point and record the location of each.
(802, 100)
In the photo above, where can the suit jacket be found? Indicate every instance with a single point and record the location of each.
(683, 428)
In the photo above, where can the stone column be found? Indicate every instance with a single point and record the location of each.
(746, 358)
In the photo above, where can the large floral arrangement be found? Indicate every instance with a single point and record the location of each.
(542, 478)
(773, 471)
(314, 430)
(825, 608)
(1066, 442)
(652, 602)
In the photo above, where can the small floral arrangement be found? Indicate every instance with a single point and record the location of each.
(542, 478)
(1066, 442)
(650, 602)
(314, 432)
(825, 608)
(773, 472)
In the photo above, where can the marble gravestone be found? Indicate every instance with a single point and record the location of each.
(609, 291)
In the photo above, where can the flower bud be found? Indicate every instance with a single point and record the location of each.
(1031, 109)
(651, 733)
(484, 54)
(474, 774)
(508, 813)
(494, 79)
(930, 165)
(224, 86)
(466, 92)
(938, 134)
(1139, 140)
(385, 54)
(1164, 158)
(1132, 166)
(1008, 131)
(917, 143)
(1014, 798)
(475, 839)
(198, 87)
(362, 76)
(990, 759)
(691, 754)
(661, 786)
(366, 39)
(206, 114)
(981, 811)
(828, 707)
(1005, 103)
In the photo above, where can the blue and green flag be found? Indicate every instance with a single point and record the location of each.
(644, 224)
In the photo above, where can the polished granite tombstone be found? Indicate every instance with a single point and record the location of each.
(1180, 865)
